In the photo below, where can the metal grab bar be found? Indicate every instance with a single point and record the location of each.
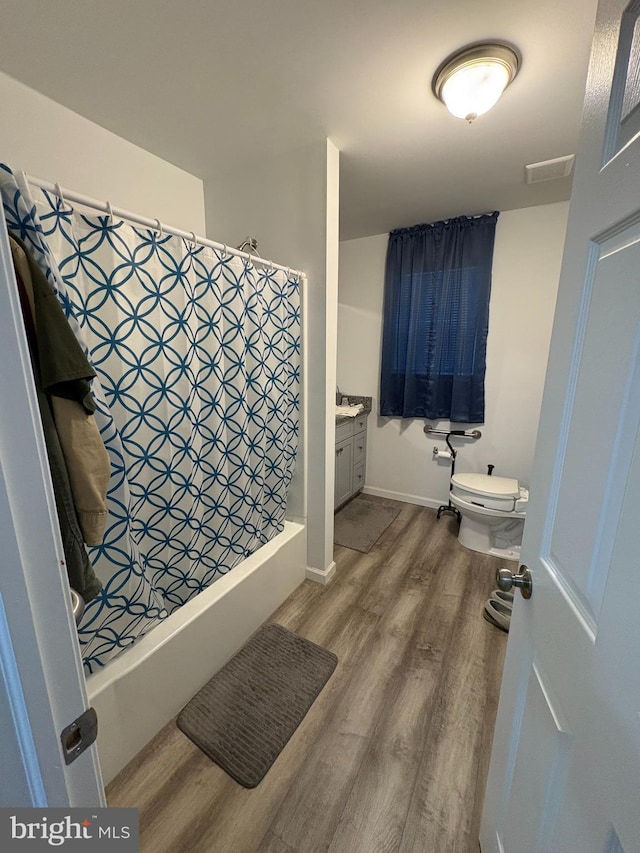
(459, 433)
(474, 433)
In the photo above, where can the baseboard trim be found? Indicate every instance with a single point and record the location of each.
(322, 576)
(418, 500)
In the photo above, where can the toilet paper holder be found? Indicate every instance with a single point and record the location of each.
(441, 454)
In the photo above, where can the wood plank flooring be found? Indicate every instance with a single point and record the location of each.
(393, 755)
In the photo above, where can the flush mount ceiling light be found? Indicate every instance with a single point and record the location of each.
(471, 80)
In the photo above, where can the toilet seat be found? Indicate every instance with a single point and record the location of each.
(504, 494)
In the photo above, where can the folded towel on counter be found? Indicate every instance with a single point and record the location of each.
(349, 411)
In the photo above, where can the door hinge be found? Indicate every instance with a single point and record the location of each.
(79, 735)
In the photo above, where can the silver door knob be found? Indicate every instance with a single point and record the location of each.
(507, 579)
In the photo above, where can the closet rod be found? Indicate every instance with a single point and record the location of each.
(154, 224)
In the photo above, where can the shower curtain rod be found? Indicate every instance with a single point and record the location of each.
(70, 196)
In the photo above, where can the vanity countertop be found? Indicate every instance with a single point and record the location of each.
(353, 401)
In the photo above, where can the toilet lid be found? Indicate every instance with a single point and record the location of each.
(483, 484)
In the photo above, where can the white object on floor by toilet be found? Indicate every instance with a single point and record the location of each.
(493, 511)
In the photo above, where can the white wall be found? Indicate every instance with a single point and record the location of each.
(290, 205)
(526, 269)
(49, 141)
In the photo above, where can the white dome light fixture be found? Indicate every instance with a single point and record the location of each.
(471, 80)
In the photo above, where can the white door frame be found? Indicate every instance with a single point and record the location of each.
(42, 687)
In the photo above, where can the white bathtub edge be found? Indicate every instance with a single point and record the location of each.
(140, 691)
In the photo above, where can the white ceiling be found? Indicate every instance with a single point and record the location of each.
(209, 82)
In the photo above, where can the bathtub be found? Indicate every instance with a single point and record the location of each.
(138, 692)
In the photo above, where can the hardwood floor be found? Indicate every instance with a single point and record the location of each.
(393, 755)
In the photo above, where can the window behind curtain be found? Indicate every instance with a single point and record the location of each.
(436, 319)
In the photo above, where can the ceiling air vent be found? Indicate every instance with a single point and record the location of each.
(548, 170)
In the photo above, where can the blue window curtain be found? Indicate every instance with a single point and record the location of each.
(436, 319)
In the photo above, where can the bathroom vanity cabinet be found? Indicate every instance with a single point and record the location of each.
(351, 457)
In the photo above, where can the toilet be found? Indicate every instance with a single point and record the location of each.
(493, 511)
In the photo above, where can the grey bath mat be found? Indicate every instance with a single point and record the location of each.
(245, 715)
(362, 522)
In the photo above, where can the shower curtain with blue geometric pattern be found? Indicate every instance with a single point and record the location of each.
(198, 362)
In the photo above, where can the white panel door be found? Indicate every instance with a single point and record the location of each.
(42, 687)
(565, 767)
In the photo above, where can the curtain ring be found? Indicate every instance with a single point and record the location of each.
(194, 239)
(159, 226)
(224, 251)
(110, 212)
